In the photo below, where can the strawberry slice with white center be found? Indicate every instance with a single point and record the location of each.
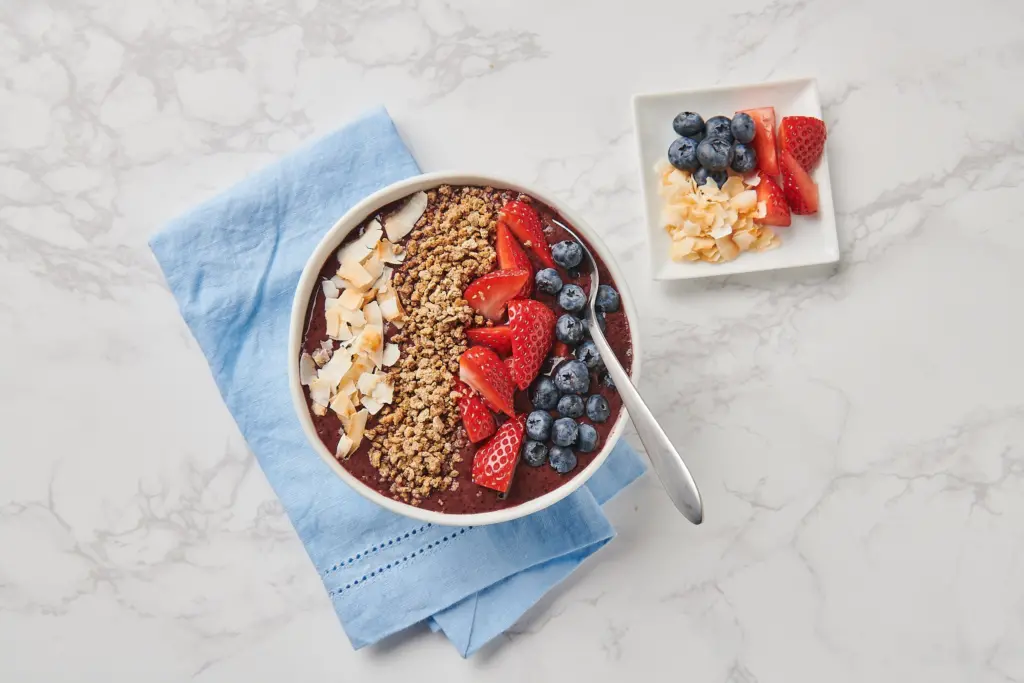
(477, 420)
(533, 331)
(495, 461)
(498, 338)
(512, 257)
(483, 371)
(525, 224)
(489, 293)
(804, 138)
(769, 192)
(764, 139)
(801, 192)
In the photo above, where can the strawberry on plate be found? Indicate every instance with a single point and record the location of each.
(523, 221)
(764, 139)
(512, 257)
(498, 338)
(804, 138)
(477, 420)
(769, 192)
(489, 293)
(533, 330)
(800, 191)
(483, 371)
(495, 461)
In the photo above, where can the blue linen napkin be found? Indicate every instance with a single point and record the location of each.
(233, 264)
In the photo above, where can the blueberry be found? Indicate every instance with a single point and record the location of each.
(567, 254)
(573, 273)
(682, 154)
(718, 127)
(570, 405)
(607, 381)
(701, 175)
(564, 431)
(562, 460)
(597, 408)
(587, 352)
(548, 281)
(744, 158)
(572, 377)
(586, 439)
(607, 299)
(715, 154)
(535, 453)
(569, 329)
(572, 298)
(688, 123)
(538, 425)
(545, 394)
(601, 322)
(742, 127)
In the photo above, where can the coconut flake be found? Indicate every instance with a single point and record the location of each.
(320, 391)
(360, 248)
(307, 369)
(401, 223)
(390, 355)
(354, 272)
(344, 447)
(335, 370)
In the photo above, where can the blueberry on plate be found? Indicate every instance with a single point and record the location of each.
(701, 175)
(744, 158)
(607, 300)
(572, 377)
(688, 123)
(718, 127)
(562, 460)
(572, 298)
(545, 394)
(586, 438)
(564, 431)
(715, 154)
(570, 405)
(569, 329)
(548, 281)
(742, 127)
(567, 253)
(535, 453)
(598, 409)
(538, 425)
(682, 154)
(587, 352)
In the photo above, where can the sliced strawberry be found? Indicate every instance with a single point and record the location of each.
(498, 338)
(801, 193)
(489, 293)
(769, 192)
(561, 350)
(483, 371)
(524, 222)
(510, 363)
(804, 138)
(477, 420)
(764, 139)
(533, 330)
(495, 461)
(512, 257)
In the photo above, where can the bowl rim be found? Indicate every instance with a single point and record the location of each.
(309, 279)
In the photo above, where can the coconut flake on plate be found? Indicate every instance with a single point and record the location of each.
(400, 223)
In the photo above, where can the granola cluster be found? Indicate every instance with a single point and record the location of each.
(416, 443)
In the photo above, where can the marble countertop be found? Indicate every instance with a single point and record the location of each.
(857, 433)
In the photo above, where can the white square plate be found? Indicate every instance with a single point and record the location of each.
(811, 240)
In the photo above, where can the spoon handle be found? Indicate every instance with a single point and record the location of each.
(675, 478)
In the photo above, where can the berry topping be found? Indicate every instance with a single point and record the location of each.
(532, 324)
(483, 371)
(562, 460)
(572, 377)
(512, 257)
(688, 123)
(718, 127)
(495, 461)
(607, 300)
(545, 394)
(498, 338)
(598, 409)
(769, 192)
(548, 281)
(587, 352)
(742, 127)
(523, 221)
(567, 253)
(569, 329)
(715, 154)
(682, 154)
(489, 293)
(804, 138)
(570, 405)
(744, 158)
(572, 298)
(563, 431)
(764, 139)
(535, 453)
(477, 420)
(800, 191)
(586, 440)
(538, 425)
(701, 176)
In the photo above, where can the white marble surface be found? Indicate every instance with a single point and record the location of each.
(858, 434)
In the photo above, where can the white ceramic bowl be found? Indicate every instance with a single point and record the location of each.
(308, 280)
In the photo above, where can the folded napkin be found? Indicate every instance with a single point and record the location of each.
(233, 264)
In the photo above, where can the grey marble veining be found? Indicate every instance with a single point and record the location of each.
(857, 433)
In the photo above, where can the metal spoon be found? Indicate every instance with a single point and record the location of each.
(669, 465)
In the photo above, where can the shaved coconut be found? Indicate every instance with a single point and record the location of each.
(367, 382)
(352, 317)
(360, 249)
(753, 181)
(348, 387)
(307, 369)
(330, 289)
(374, 266)
(383, 281)
(727, 248)
(356, 426)
(386, 253)
(721, 231)
(335, 369)
(352, 299)
(320, 391)
(342, 405)
(390, 355)
(371, 342)
(354, 272)
(319, 410)
(401, 223)
(372, 314)
(744, 240)
(344, 447)
(744, 201)
(340, 283)
(337, 327)
(384, 392)
(372, 405)
(321, 356)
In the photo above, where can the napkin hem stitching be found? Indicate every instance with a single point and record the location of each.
(376, 548)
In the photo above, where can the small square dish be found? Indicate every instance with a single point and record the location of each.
(810, 240)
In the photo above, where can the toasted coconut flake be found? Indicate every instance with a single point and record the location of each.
(390, 356)
(361, 248)
(335, 369)
(345, 447)
(352, 299)
(354, 272)
(355, 428)
(367, 382)
(307, 369)
(342, 405)
(319, 410)
(372, 314)
(321, 356)
(744, 240)
(727, 248)
(401, 223)
(372, 405)
(320, 391)
(330, 289)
